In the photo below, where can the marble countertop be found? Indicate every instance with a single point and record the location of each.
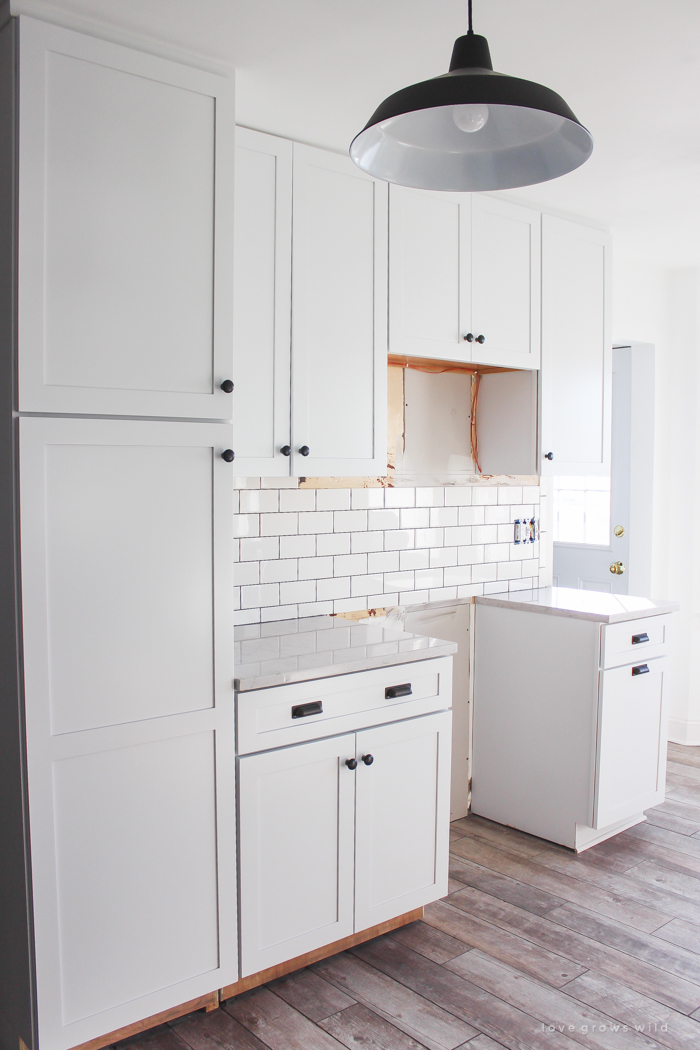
(283, 651)
(580, 604)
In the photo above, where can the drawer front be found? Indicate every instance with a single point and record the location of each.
(288, 714)
(631, 758)
(634, 641)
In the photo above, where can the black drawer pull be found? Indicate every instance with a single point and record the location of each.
(302, 710)
(642, 669)
(637, 639)
(393, 691)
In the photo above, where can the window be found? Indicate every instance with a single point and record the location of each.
(582, 510)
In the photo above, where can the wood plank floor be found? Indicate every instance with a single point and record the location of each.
(534, 947)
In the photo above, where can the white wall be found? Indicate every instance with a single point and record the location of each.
(661, 306)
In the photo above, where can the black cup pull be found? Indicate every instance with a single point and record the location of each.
(351, 763)
(227, 386)
(286, 450)
(315, 707)
(368, 759)
(228, 455)
(481, 338)
(637, 639)
(304, 450)
(642, 669)
(392, 691)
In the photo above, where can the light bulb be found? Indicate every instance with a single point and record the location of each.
(470, 117)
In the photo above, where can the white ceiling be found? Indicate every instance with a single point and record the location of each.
(315, 70)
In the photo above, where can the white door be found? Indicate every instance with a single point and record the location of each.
(402, 820)
(296, 821)
(128, 667)
(505, 271)
(339, 317)
(429, 274)
(262, 288)
(632, 733)
(125, 230)
(576, 349)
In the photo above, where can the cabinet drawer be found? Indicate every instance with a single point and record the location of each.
(287, 714)
(634, 641)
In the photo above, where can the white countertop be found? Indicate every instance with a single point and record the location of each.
(580, 604)
(283, 651)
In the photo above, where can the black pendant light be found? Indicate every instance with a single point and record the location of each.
(472, 129)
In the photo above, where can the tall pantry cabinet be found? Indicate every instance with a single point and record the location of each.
(117, 795)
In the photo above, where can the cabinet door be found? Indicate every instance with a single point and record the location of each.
(127, 612)
(339, 317)
(429, 274)
(125, 230)
(576, 349)
(402, 820)
(632, 733)
(296, 821)
(262, 288)
(505, 283)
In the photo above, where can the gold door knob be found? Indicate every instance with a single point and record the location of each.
(619, 531)
(617, 568)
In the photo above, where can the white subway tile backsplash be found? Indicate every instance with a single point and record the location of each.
(307, 552)
(332, 543)
(350, 521)
(367, 499)
(297, 499)
(255, 501)
(297, 547)
(333, 499)
(365, 542)
(495, 588)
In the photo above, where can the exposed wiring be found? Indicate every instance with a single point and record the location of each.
(476, 380)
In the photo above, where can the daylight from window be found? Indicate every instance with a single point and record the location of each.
(582, 510)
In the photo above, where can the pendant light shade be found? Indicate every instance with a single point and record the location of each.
(472, 129)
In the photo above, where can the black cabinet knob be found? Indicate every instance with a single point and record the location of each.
(228, 455)
(227, 386)
(368, 759)
(481, 338)
(468, 338)
(351, 763)
(549, 456)
(304, 450)
(286, 450)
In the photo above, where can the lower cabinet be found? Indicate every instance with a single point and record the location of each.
(340, 834)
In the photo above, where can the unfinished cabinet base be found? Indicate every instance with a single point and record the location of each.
(207, 1002)
(272, 972)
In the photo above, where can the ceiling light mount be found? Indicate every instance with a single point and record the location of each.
(472, 129)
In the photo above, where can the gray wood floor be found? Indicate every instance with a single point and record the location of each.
(533, 947)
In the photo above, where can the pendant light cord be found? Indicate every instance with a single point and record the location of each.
(469, 7)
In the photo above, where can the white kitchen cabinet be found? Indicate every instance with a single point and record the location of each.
(339, 317)
(569, 739)
(464, 278)
(128, 676)
(125, 230)
(262, 288)
(341, 832)
(576, 349)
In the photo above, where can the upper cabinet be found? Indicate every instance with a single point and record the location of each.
(464, 279)
(262, 288)
(576, 349)
(125, 220)
(339, 317)
(310, 312)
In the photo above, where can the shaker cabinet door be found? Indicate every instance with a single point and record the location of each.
(505, 284)
(403, 814)
(125, 230)
(429, 274)
(339, 318)
(296, 820)
(576, 349)
(128, 667)
(262, 287)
